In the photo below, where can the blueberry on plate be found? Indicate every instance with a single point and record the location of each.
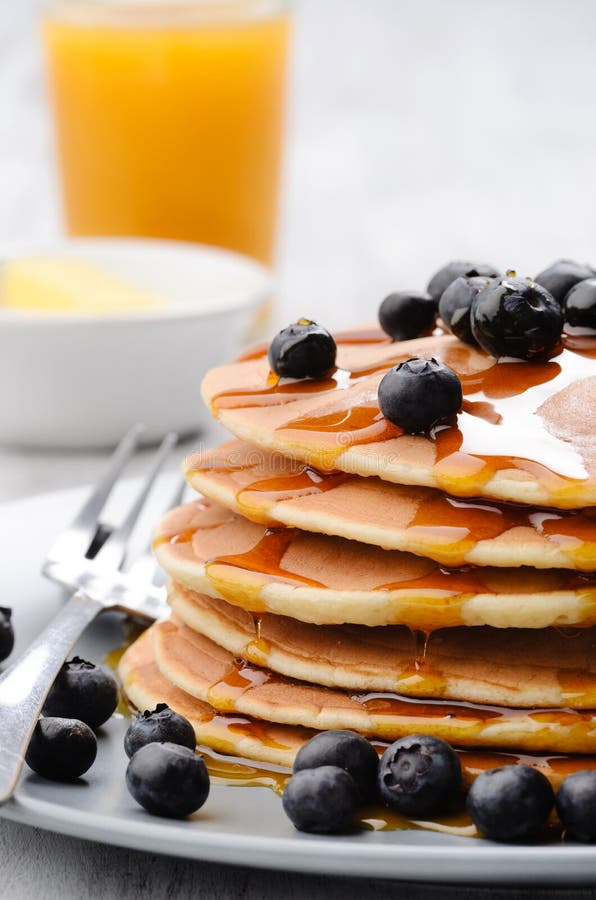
(418, 393)
(443, 278)
(6, 632)
(419, 775)
(407, 314)
(61, 749)
(302, 350)
(576, 805)
(455, 303)
(559, 278)
(516, 317)
(83, 691)
(168, 780)
(159, 725)
(322, 800)
(347, 750)
(511, 803)
(580, 305)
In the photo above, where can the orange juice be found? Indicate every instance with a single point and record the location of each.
(169, 118)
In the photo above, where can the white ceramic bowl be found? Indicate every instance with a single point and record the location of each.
(77, 380)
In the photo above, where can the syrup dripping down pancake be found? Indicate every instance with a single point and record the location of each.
(265, 487)
(541, 669)
(207, 671)
(268, 742)
(525, 434)
(330, 580)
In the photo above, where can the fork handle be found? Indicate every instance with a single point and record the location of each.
(25, 685)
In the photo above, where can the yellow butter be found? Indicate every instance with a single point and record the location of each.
(55, 285)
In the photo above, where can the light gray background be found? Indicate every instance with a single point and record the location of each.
(419, 130)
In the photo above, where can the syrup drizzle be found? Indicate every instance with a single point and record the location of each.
(500, 411)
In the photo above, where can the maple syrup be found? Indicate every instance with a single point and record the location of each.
(501, 402)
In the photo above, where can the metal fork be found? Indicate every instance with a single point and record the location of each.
(96, 563)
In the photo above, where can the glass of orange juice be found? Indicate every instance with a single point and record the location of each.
(169, 117)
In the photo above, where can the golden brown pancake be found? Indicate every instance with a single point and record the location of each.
(145, 687)
(265, 487)
(538, 668)
(330, 580)
(525, 433)
(268, 742)
(207, 671)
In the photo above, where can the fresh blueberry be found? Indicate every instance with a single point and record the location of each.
(418, 393)
(559, 278)
(511, 803)
(455, 303)
(61, 749)
(168, 780)
(159, 725)
(576, 805)
(6, 632)
(302, 350)
(580, 305)
(83, 691)
(419, 775)
(322, 800)
(516, 317)
(443, 278)
(407, 314)
(347, 750)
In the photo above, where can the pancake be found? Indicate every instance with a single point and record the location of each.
(525, 433)
(207, 671)
(329, 580)
(265, 487)
(267, 742)
(145, 687)
(520, 668)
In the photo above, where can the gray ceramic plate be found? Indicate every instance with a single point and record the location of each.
(237, 825)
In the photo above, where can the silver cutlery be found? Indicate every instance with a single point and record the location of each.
(100, 565)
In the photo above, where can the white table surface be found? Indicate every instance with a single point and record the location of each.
(419, 131)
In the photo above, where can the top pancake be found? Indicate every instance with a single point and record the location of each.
(525, 434)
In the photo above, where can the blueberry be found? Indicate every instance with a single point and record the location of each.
(455, 303)
(168, 780)
(511, 803)
(407, 314)
(158, 725)
(6, 632)
(419, 393)
(576, 805)
(347, 750)
(580, 305)
(302, 350)
(443, 278)
(516, 317)
(322, 800)
(419, 775)
(61, 749)
(559, 278)
(83, 691)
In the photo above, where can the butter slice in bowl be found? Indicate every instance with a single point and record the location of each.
(99, 333)
(61, 285)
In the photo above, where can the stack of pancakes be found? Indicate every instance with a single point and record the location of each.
(335, 572)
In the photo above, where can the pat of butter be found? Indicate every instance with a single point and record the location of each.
(47, 284)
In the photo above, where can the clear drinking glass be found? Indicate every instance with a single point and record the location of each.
(169, 117)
